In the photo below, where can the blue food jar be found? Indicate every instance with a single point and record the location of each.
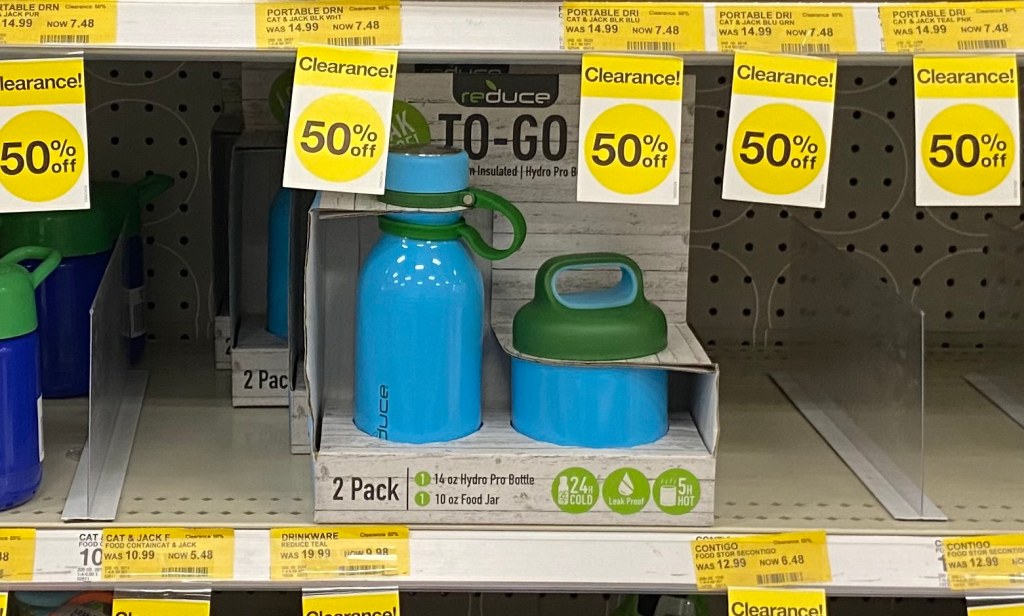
(85, 239)
(279, 262)
(21, 407)
(589, 405)
(420, 302)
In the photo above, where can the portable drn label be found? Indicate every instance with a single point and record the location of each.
(967, 123)
(780, 129)
(69, 23)
(632, 26)
(43, 145)
(341, 23)
(786, 28)
(630, 117)
(340, 120)
(761, 560)
(944, 27)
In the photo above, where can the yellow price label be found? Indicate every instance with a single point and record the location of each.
(379, 603)
(761, 560)
(632, 26)
(1016, 609)
(966, 26)
(326, 552)
(786, 28)
(761, 601)
(343, 23)
(17, 554)
(3, 604)
(995, 561)
(168, 553)
(75, 23)
(130, 606)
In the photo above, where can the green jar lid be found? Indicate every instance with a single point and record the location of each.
(18, 289)
(602, 325)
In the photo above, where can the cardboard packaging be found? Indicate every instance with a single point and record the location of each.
(527, 153)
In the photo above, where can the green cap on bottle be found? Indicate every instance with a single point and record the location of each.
(18, 289)
(604, 325)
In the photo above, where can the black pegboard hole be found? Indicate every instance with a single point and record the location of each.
(747, 280)
(150, 240)
(216, 108)
(148, 74)
(981, 315)
(150, 273)
(747, 312)
(712, 311)
(988, 216)
(718, 180)
(916, 282)
(719, 147)
(918, 248)
(893, 81)
(890, 114)
(183, 273)
(721, 80)
(954, 215)
(150, 141)
(183, 305)
(949, 314)
(115, 107)
(183, 240)
(887, 182)
(183, 174)
(945, 345)
(720, 113)
(114, 73)
(856, 115)
(889, 148)
(818, 214)
(781, 280)
(115, 174)
(749, 247)
(185, 337)
(182, 74)
(216, 74)
(783, 214)
(852, 215)
(850, 248)
(749, 213)
(783, 247)
(854, 181)
(886, 215)
(919, 215)
(182, 141)
(150, 207)
(714, 278)
(149, 107)
(855, 148)
(115, 140)
(883, 248)
(983, 282)
(183, 107)
(183, 207)
(716, 213)
(859, 81)
(952, 249)
(950, 282)
(883, 280)
(715, 246)
(151, 305)
(780, 312)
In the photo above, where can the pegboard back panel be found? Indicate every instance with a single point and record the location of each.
(937, 258)
(156, 117)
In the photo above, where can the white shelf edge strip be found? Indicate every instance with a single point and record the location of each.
(427, 26)
(529, 560)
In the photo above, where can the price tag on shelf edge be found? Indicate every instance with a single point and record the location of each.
(340, 120)
(967, 124)
(75, 23)
(3, 604)
(327, 552)
(168, 554)
(160, 606)
(17, 554)
(780, 129)
(1007, 609)
(806, 602)
(342, 23)
(761, 560)
(630, 117)
(380, 601)
(995, 561)
(945, 27)
(43, 144)
(786, 28)
(632, 26)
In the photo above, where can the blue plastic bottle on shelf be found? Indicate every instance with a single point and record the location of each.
(21, 419)
(85, 239)
(420, 302)
(279, 262)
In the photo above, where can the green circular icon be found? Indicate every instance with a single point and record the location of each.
(408, 126)
(626, 491)
(422, 499)
(676, 491)
(422, 478)
(280, 99)
(575, 490)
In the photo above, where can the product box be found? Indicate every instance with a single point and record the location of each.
(259, 360)
(524, 150)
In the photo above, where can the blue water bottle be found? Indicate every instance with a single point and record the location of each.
(85, 239)
(279, 262)
(21, 407)
(420, 302)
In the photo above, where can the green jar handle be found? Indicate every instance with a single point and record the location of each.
(50, 260)
(496, 203)
(629, 290)
(151, 186)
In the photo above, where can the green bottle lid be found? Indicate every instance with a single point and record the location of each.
(18, 289)
(601, 325)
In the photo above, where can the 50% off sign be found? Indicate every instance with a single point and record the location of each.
(339, 125)
(43, 157)
(967, 125)
(630, 117)
(780, 129)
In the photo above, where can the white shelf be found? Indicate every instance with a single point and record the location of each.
(199, 462)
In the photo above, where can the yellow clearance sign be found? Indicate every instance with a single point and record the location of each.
(33, 82)
(346, 68)
(784, 77)
(612, 76)
(965, 77)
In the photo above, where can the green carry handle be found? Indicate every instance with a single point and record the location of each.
(50, 260)
(628, 291)
(495, 203)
